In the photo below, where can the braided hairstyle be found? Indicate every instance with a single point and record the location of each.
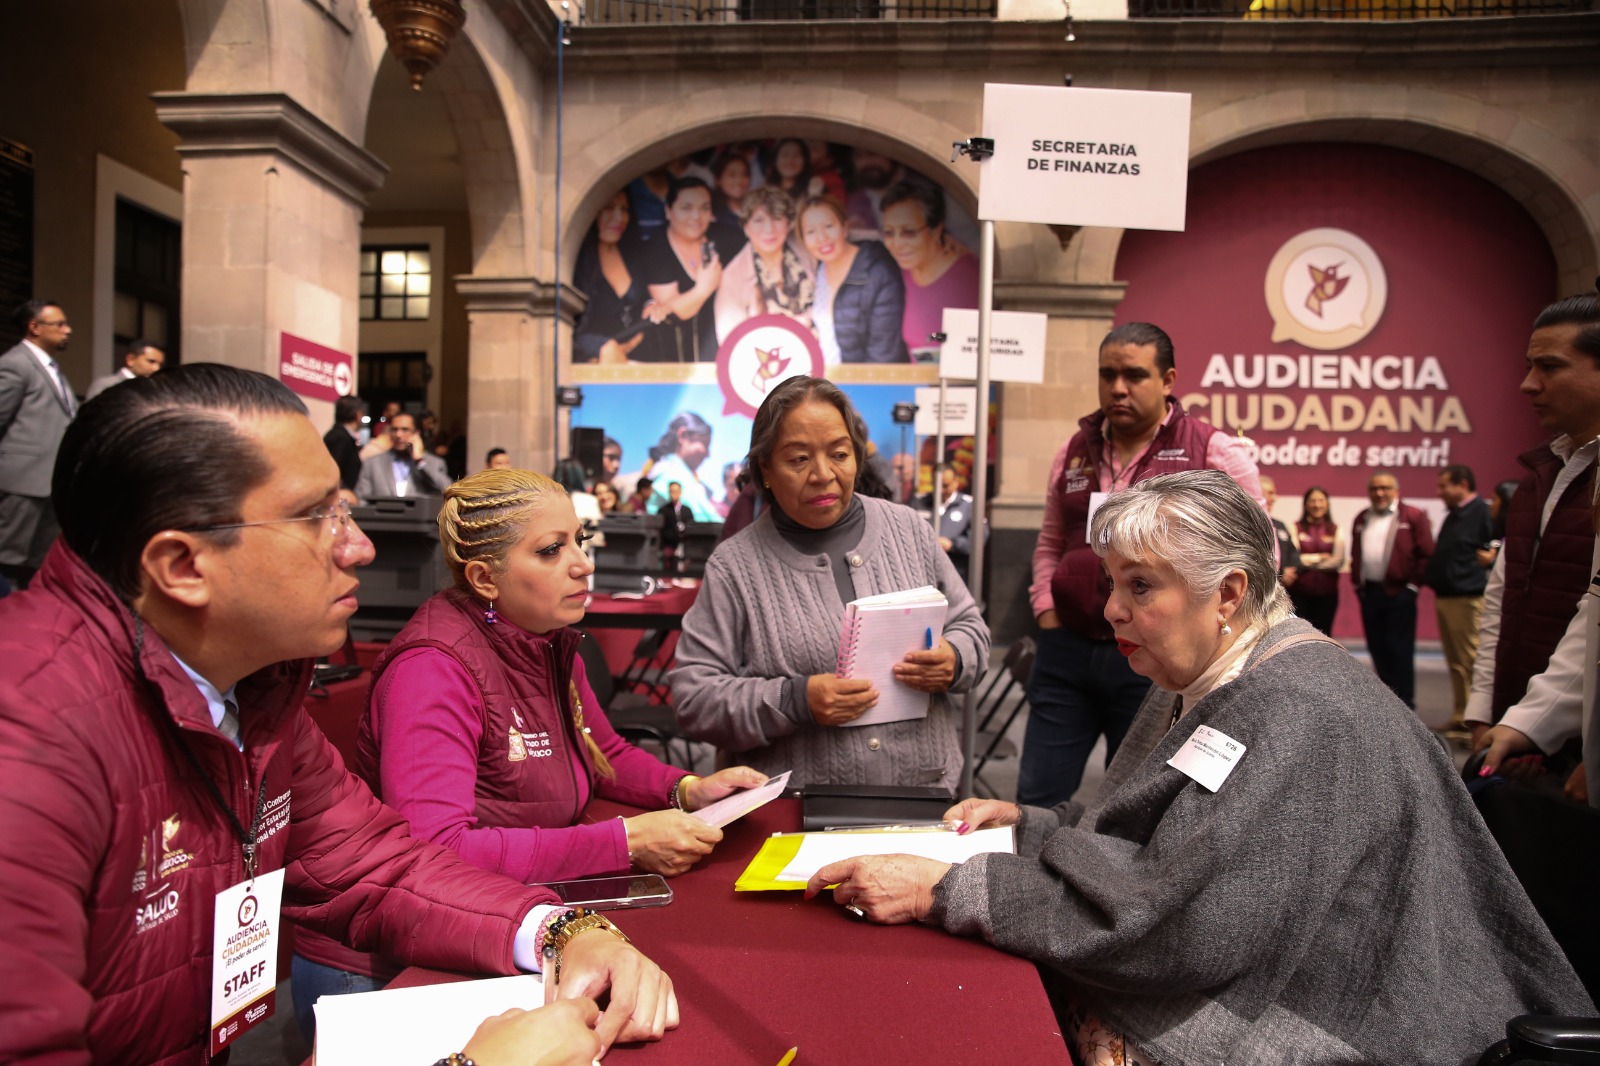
(484, 516)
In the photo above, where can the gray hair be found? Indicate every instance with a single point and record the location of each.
(1201, 524)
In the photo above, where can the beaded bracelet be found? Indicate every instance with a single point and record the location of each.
(456, 1058)
(552, 932)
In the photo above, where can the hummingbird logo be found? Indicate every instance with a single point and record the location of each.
(769, 364)
(1326, 284)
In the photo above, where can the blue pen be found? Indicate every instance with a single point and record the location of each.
(928, 640)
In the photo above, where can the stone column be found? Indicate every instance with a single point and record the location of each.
(273, 198)
(1038, 420)
(511, 379)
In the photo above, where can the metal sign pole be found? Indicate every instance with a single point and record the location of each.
(980, 483)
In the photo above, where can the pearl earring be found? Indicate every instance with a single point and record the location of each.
(1226, 629)
(491, 616)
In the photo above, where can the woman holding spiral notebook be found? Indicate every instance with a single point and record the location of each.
(758, 663)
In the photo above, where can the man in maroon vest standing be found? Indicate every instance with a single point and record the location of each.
(1390, 543)
(1082, 685)
(1529, 676)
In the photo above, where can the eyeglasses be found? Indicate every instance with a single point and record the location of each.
(336, 515)
(908, 233)
(50, 325)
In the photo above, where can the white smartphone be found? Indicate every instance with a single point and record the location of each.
(614, 893)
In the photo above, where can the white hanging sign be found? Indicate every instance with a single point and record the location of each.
(1085, 157)
(960, 411)
(1016, 345)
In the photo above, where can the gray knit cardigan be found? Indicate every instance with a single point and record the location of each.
(767, 612)
(1337, 900)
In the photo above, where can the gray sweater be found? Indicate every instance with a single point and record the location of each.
(767, 612)
(1338, 899)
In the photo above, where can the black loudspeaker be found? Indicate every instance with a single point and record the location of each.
(587, 447)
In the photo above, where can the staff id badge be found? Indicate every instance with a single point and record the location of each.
(1208, 756)
(244, 957)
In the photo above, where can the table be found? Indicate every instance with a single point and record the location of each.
(760, 972)
(617, 624)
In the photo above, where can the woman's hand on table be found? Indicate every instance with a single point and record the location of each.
(891, 889)
(974, 813)
(642, 1005)
(836, 700)
(928, 671)
(668, 842)
(560, 1034)
(697, 792)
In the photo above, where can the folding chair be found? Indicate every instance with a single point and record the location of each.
(643, 672)
(1003, 689)
(632, 714)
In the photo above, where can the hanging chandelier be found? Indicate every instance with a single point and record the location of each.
(419, 31)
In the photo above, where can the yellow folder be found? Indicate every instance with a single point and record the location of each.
(934, 842)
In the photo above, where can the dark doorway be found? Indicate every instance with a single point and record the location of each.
(146, 300)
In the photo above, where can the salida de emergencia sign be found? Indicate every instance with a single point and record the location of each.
(314, 370)
(1085, 157)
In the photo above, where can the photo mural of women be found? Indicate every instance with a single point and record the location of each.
(857, 250)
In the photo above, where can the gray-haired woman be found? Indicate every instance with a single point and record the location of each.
(1283, 865)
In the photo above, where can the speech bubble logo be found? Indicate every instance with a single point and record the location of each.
(1325, 288)
(760, 354)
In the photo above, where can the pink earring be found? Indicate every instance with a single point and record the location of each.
(491, 616)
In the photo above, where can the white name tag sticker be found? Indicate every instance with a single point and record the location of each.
(244, 957)
(1208, 756)
(1095, 500)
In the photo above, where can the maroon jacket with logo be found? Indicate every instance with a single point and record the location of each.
(1408, 560)
(1545, 575)
(1079, 583)
(112, 850)
(528, 687)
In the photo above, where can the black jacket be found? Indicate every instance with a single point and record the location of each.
(346, 452)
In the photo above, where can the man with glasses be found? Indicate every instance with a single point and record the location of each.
(611, 463)
(406, 469)
(1390, 544)
(160, 779)
(36, 404)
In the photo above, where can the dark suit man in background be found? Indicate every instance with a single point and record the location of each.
(405, 469)
(344, 440)
(140, 361)
(675, 515)
(1457, 578)
(1390, 543)
(36, 405)
(1288, 550)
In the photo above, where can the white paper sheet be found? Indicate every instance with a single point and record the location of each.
(415, 1025)
(732, 808)
(819, 849)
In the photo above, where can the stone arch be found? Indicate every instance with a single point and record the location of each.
(479, 97)
(1554, 182)
(655, 135)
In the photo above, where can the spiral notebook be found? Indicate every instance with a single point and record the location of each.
(878, 631)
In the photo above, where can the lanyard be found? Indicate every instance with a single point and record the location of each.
(247, 840)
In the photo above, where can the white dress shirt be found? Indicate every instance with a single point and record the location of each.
(1551, 711)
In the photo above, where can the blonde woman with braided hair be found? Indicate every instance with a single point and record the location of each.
(482, 729)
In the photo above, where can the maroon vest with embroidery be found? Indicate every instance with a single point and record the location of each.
(1079, 584)
(1545, 576)
(525, 768)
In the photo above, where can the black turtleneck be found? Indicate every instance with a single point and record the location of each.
(836, 542)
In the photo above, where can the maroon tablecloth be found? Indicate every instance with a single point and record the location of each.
(606, 619)
(760, 972)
